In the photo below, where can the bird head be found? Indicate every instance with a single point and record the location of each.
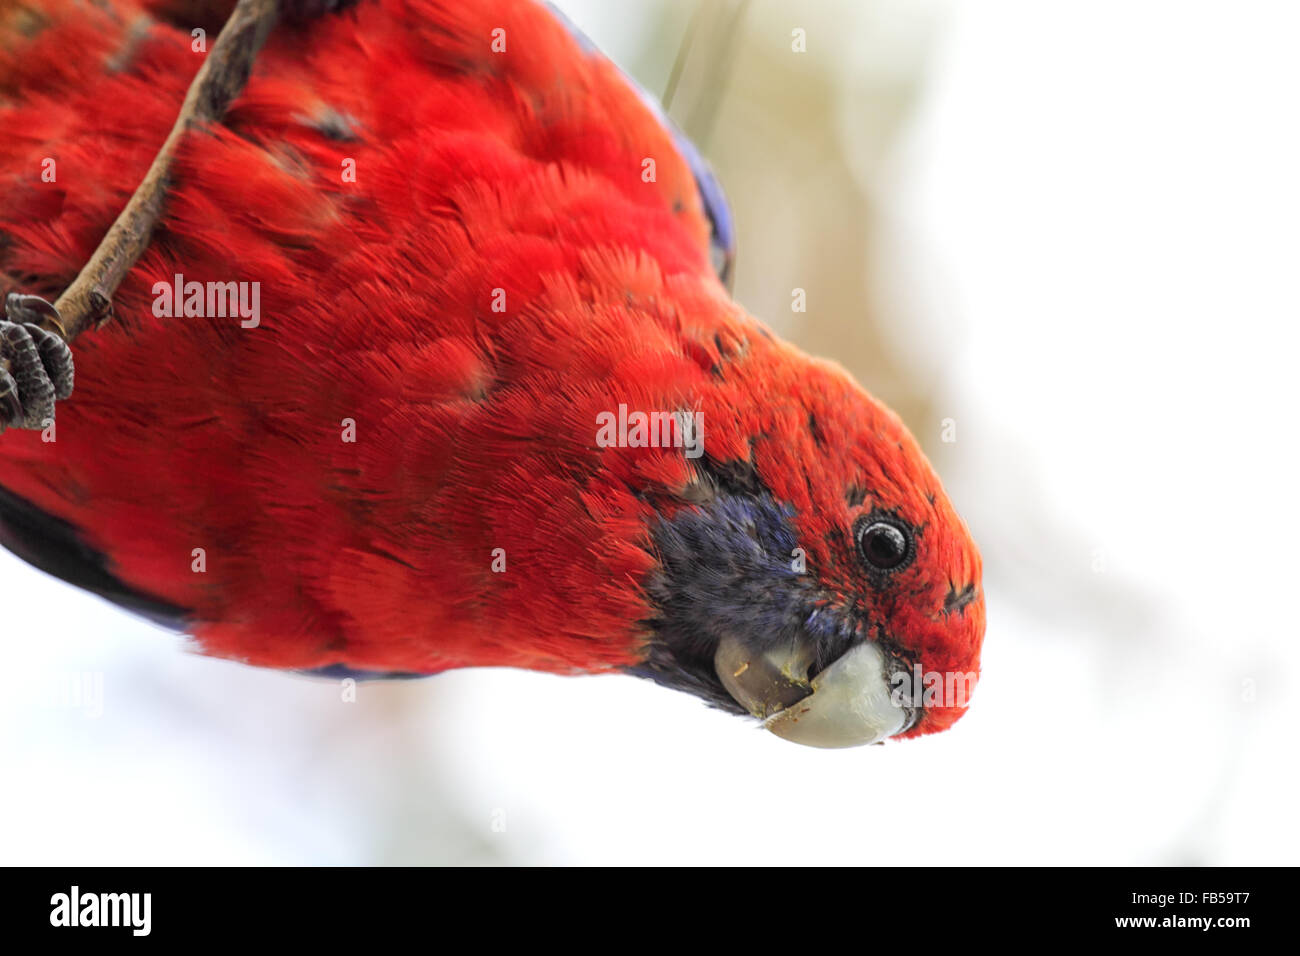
(815, 574)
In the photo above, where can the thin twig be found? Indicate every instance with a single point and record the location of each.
(89, 299)
(683, 51)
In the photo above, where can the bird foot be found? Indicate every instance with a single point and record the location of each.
(35, 362)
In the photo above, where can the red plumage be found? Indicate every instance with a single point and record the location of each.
(476, 171)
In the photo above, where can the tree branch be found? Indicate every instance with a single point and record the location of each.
(89, 299)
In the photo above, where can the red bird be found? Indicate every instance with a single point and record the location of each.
(429, 365)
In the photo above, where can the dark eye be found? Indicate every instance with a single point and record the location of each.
(884, 545)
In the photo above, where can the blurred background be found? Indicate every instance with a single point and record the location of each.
(1063, 234)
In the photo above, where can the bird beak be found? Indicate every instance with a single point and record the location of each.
(846, 705)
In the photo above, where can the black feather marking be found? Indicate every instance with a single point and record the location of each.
(814, 429)
(56, 547)
(736, 477)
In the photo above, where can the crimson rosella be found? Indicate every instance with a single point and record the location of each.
(430, 364)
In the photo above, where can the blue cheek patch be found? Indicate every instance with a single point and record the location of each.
(727, 566)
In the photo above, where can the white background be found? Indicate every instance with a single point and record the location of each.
(1084, 237)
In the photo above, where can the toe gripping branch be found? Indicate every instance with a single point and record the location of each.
(35, 363)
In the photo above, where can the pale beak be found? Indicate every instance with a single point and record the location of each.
(846, 705)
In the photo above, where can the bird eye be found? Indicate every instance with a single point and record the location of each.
(884, 545)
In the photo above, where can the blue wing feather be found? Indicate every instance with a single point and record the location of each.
(722, 240)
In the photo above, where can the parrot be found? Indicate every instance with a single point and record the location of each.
(431, 362)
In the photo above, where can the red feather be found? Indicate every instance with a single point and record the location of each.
(476, 171)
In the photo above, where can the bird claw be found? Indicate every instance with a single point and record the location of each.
(36, 368)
